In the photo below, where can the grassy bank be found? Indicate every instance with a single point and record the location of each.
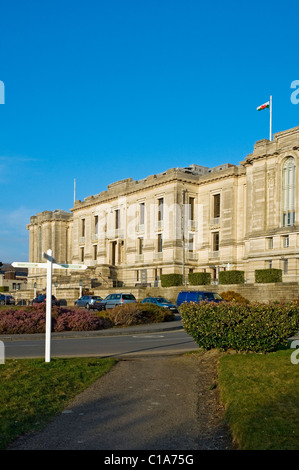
(260, 392)
(32, 391)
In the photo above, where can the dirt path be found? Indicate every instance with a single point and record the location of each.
(143, 403)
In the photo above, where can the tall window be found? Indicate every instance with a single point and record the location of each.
(288, 192)
(141, 213)
(140, 246)
(160, 243)
(96, 224)
(191, 208)
(215, 241)
(82, 227)
(216, 206)
(117, 219)
(160, 209)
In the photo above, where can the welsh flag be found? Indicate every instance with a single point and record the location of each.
(263, 106)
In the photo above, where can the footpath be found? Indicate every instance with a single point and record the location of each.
(166, 402)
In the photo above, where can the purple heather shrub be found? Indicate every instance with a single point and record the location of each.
(32, 319)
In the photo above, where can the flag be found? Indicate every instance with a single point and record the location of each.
(263, 106)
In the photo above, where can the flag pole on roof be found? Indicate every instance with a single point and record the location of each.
(264, 106)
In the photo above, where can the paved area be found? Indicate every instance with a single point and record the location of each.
(143, 403)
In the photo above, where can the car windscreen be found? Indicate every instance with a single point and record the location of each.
(162, 300)
(128, 297)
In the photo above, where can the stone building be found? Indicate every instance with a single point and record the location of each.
(183, 220)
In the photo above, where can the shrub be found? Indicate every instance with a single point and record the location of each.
(199, 279)
(32, 319)
(4, 289)
(138, 313)
(231, 277)
(168, 280)
(268, 275)
(254, 327)
(231, 296)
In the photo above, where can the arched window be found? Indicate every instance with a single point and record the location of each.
(288, 192)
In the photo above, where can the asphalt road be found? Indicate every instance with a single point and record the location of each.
(152, 339)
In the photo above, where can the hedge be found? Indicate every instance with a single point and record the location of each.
(4, 289)
(168, 280)
(199, 279)
(231, 277)
(241, 327)
(268, 275)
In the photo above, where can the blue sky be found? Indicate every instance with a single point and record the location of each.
(105, 90)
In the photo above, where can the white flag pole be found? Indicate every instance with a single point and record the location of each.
(270, 118)
(48, 307)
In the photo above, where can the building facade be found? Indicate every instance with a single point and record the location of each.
(184, 220)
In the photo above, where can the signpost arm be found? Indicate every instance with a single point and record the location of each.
(48, 308)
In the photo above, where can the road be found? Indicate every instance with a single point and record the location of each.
(135, 343)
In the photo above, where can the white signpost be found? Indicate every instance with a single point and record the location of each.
(49, 266)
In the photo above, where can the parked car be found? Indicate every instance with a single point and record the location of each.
(161, 302)
(89, 301)
(7, 299)
(42, 298)
(112, 300)
(198, 296)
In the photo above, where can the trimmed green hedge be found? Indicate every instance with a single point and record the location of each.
(268, 275)
(4, 289)
(168, 280)
(231, 277)
(241, 327)
(199, 279)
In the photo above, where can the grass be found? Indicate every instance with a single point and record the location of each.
(260, 393)
(33, 391)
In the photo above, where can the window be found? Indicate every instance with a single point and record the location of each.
(141, 213)
(288, 192)
(216, 206)
(117, 219)
(286, 241)
(269, 264)
(191, 208)
(96, 224)
(95, 252)
(82, 254)
(285, 266)
(270, 243)
(160, 209)
(191, 242)
(215, 241)
(140, 246)
(82, 227)
(160, 242)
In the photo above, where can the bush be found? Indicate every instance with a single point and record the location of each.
(231, 277)
(4, 289)
(231, 296)
(32, 319)
(199, 279)
(254, 327)
(268, 275)
(168, 280)
(137, 314)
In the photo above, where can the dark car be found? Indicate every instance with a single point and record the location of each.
(112, 300)
(198, 296)
(42, 298)
(7, 300)
(89, 301)
(161, 302)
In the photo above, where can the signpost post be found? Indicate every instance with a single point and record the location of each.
(49, 266)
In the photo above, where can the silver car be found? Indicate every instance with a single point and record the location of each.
(89, 301)
(112, 300)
